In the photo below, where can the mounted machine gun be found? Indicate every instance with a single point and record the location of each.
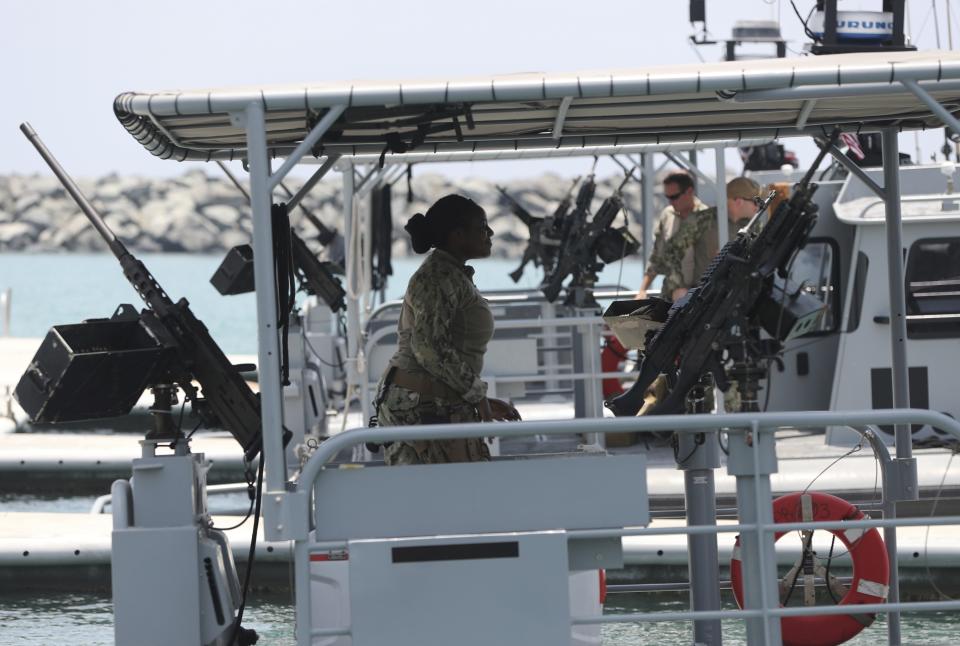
(584, 242)
(744, 289)
(166, 344)
(543, 234)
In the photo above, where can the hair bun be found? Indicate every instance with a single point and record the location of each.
(417, 227)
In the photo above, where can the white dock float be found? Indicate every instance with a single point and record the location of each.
(57, 461)
(69, 550)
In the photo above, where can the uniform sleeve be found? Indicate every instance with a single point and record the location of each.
(655, 266)
(707, 245)
(434, 304)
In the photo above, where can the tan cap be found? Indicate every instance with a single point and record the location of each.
(743, 187)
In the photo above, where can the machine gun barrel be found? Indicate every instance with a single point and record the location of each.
(114, 243)
(564, 206)
(525, 216)
(226, 397)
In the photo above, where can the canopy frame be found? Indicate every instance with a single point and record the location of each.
(255, 121)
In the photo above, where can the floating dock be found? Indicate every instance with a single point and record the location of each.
(67, 550)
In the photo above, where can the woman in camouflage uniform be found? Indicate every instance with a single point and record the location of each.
(445, 325)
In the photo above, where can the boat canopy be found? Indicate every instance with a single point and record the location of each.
(539, 112)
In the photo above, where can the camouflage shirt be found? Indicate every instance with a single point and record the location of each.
(445, 325)
(683, 248)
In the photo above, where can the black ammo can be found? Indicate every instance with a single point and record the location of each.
(235, 273)
(95, 369)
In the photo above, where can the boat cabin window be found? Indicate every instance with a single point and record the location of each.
(816, 267)
(933, 289)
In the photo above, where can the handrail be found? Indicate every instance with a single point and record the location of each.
(754, 423)
(793, 611)
(519, 296)
(916, 199)
(514, 324)
(230, 487)
(766, 422)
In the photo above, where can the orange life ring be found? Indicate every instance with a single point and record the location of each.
(871, 569)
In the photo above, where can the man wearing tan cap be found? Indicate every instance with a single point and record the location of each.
(742, 193)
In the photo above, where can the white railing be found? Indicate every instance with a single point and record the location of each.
(592, 377)
(100, 504)
(918, 199)
(756, 447)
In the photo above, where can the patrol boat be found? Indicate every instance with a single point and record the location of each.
(528, 523)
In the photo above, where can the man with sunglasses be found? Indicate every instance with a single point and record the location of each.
(685, 240)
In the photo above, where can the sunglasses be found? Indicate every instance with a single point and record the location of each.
(674, 197)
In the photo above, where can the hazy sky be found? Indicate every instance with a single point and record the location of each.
(65, 60)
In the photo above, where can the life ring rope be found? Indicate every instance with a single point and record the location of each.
(871, 570)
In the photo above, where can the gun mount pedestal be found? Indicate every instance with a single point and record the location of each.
(164, 397)
(587, 392)
(173, 576)
(580, 289)
(747, 376)
(697, 456)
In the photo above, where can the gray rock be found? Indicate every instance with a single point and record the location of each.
(224, 215)
(15, 234)
(207, 214)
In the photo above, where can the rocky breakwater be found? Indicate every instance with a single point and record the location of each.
(199, 213)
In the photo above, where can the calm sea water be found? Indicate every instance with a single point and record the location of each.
(88, 619)
(52, 289)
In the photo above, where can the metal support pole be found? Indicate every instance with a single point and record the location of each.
(268, 351)
(646, 179)
(353, 293)
(855, 170)
(942, 113)
(700, 456)
(723, 224)
(359, 186)
(689, 166)
(889, 507)
(333, 113)
(233, 178)
(301, 591)
(894, 637)
(805, 113)
(898, 320)
(310, 183)
(591, 338)
(752, 459)
(6, 296)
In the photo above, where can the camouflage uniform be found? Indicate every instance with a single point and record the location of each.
(683, 249)
(445, 325)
